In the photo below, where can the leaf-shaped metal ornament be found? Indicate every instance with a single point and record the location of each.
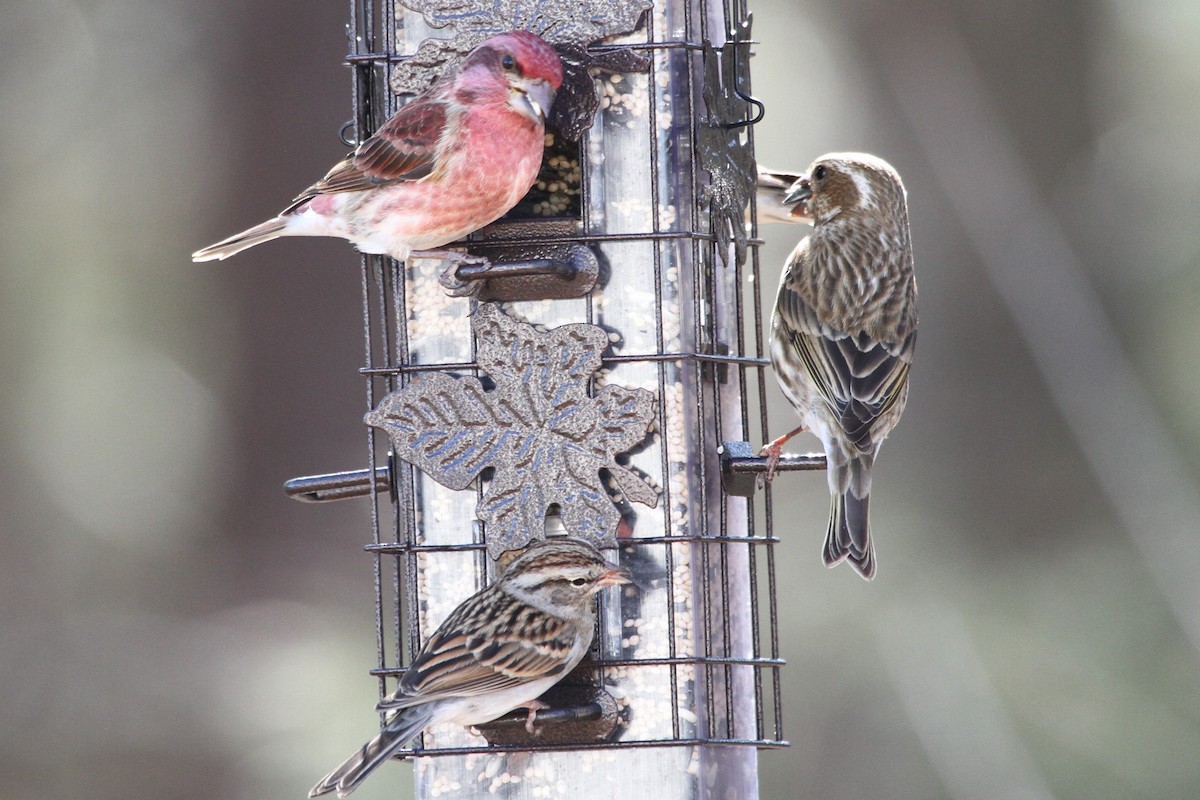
(540, 431)
(570, 25)
(725, 151)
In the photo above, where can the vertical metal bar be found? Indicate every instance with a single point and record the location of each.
(360, 36)
(737, 10)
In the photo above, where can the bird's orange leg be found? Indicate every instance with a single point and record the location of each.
(534, 706)
(774, 450)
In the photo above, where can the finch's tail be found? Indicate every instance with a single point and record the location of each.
(271, 229)
(354, 770)
(849, 534)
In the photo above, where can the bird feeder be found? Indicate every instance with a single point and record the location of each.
(600, 377)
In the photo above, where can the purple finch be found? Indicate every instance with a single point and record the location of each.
(452, 160)
(843, 332)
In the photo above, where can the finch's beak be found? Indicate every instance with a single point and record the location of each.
(800, 192)
(771, 189)
(798, 196)
(614, 577)
(534, 100)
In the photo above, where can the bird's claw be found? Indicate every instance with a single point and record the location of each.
(772, 451)
(534, 707)
(454, 285)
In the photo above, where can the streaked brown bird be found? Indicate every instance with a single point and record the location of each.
(499, 650)
(843, 332)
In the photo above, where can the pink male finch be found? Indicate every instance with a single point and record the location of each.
(452, 160)
(843, 332)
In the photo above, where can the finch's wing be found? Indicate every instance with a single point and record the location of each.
(507, 645)
(404, 148)
(859, 378)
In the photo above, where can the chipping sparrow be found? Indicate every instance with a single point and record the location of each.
(843, 332)
(499, 650)
(454, 159)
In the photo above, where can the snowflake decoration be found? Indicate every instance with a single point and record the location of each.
(570, 25)
(545, 438)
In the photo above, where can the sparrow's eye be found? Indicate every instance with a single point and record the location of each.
(508, 62)
(579, 582)
(820, 172)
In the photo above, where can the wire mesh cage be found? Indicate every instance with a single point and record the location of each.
(633, 242)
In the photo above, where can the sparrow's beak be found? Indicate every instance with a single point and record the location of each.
(533, 99)
(614, 577)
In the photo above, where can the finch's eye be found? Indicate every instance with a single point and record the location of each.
(579, 582)
(820, 172)
(509, 63)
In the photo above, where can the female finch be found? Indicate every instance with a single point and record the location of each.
(843, 332)
(454, 159)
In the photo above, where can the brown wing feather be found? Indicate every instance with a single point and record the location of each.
(493, 657)
(403, 149)
(859, 379)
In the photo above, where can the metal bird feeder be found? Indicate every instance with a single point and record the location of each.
(623, 294)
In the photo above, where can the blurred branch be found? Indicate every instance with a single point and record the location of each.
(1054, 303)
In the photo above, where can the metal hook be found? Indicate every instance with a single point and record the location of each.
(760, 112)
(760, 109)
(343, 133)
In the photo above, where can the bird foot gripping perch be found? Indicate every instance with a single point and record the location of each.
(534, 707)
(774, 451)
(523, 271)
(741, 468)
(572, 713)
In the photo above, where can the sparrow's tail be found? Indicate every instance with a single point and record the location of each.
(849, 534)
(355, 769)
(271, 229)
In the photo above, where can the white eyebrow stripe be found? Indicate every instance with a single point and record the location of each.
(866, 196)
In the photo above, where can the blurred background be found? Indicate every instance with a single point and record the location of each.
(172, 625)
